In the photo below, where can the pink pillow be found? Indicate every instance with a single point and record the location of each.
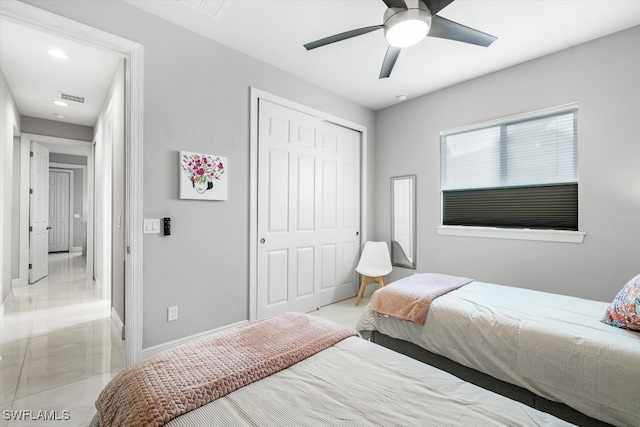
(624, 311)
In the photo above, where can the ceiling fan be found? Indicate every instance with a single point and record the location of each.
(406, 22)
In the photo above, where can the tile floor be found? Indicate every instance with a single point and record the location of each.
(57, 357)
(344, 312)
(57, 347)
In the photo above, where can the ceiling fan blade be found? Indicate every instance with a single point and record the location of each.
(390, 59)
(395, 3)
(436, 6)
(342, 36)
(445, 29)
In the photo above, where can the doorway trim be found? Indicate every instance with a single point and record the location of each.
(71, 200)
(65, 146)
(134, 80)
(85, 194)
(256, 95)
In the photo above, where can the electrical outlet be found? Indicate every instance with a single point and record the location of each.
(172, 313)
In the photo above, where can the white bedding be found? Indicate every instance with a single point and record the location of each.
(358, 383)
(552, 345)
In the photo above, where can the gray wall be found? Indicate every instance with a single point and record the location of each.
(70, 159)
(603, 76)
(114, 149)
(57, 129)
(197, 99)
(9, 127)
(118, 191)
(15, 211)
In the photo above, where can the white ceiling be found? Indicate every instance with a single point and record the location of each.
(275, 30)
(35, 78)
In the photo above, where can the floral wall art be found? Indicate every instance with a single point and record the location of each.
(203, 176)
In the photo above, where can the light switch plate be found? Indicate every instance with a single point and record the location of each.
(76, 216)
(151, 225)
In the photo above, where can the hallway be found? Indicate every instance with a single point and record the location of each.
(57, 347)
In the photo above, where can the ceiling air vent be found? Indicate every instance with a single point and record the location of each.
(208, 7)
(73, 98)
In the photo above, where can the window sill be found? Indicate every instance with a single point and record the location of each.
(513, 234)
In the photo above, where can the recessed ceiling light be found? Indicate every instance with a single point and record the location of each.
(60, 103)
(402, 97)
(58, 54)
(60, 116)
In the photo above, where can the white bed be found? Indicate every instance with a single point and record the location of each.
(552, 345)
(355, 383)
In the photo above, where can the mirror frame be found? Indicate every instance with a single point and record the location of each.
(413, 233)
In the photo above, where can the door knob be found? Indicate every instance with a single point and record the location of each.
(49, 227)
(357, 233)
(262, 241)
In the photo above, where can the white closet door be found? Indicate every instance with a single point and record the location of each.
(308, 211)
(59, 187)
(38, 213)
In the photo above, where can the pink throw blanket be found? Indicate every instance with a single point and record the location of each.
(169, 384)
(410, 298)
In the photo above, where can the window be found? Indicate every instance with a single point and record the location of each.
(518, 172)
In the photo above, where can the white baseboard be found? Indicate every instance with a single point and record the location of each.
(117, 324)
(4, 307)
(75, 249)
(150, 351)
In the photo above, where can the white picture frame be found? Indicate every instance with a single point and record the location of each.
(203, 176)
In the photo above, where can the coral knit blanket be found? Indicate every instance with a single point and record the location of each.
(169, 384)
(410, 298)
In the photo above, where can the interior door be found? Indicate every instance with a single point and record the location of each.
(59, 193)
(38, 213)
(308, 211)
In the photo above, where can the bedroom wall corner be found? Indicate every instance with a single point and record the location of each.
(602, 76)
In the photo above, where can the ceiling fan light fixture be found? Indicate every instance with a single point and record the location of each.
(407, 27)
(407, 33)
(56, 53)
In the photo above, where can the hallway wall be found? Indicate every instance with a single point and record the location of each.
(9, 127)
(58, 129)
(15, 211)
(110, 190)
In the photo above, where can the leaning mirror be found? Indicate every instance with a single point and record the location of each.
(403, 221)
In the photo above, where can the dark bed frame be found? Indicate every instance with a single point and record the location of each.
(488, 382)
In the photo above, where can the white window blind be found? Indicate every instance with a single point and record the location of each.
(520, 171)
